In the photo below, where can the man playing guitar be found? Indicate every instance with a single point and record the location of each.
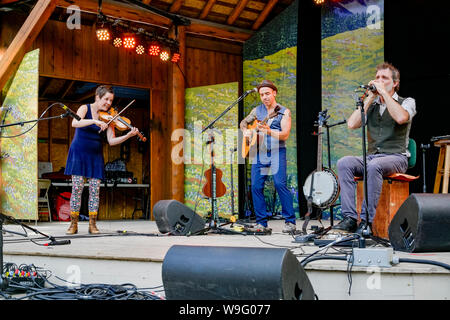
(273, 131)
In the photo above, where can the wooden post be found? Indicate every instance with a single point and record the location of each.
(24, 38)
(176, 100)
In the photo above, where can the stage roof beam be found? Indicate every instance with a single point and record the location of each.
(24, 38)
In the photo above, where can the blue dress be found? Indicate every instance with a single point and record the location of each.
(86, 152)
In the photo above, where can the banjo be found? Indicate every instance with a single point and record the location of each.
(321, 187)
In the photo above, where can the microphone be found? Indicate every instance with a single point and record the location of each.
(251, 90)
(371, 87)
(70, 112)
(57, 242)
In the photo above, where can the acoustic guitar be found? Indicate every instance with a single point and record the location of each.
(249, 143)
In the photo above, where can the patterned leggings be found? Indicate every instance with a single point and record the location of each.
(77, 191)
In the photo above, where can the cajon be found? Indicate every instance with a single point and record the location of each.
(394, 192)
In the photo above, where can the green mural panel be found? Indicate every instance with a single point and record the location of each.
(203, 105)
(18, 144)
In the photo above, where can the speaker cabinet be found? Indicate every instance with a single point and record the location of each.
(234, 273)
(422, 224)
(174, 217)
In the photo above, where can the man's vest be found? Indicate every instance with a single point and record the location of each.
(275, 123)
(384, 134)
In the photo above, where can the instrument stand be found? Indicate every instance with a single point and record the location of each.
(309, 199)
(327, 127)
(213, 223)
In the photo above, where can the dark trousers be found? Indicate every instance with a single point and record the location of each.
(378, 165)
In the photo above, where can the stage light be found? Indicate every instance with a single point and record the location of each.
(102, 31)
(117, 42)
(103, 34)
(129, 41)
(319, 2)
(140, 49)
(176, 57)
(154, 49)
(164, 55)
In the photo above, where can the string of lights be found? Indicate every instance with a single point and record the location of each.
(123, 35)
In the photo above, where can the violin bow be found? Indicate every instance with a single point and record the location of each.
(118, 114)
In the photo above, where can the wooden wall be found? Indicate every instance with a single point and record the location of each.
(77, 55)
(210, 61)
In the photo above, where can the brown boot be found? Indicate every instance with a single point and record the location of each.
(92, 223)
(73, 223)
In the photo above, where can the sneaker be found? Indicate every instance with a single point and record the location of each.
(289, 227)
(348, 224)
(260, 228)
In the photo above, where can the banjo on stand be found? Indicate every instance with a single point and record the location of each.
(321, 187)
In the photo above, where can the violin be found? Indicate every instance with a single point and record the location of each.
(221, 189)
(120, 123)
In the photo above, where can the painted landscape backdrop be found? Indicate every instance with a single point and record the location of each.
(352, 46)
(272, 54)
(18, 192)
(203, 105)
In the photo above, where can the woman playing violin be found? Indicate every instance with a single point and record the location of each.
(85, 158)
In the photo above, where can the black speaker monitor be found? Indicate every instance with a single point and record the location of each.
(234, 273)
(422, 224)
(174, 217)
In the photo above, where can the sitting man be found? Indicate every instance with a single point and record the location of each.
(388, 119)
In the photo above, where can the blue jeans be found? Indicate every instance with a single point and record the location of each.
(378, 165)
(274, 163)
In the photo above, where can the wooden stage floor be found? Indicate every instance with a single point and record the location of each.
(132, 251)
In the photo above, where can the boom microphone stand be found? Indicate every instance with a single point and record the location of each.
(360, 105)
(210, 127)
(3, 217)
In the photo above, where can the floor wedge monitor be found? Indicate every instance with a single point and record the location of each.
(422, 224)
(177, 219)
(234, 273)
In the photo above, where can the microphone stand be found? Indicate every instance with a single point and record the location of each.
(3, 217)
(360, 105)
(22, 123)
(424, 149)
(232, 187)
(210, 127)
(3, 281)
